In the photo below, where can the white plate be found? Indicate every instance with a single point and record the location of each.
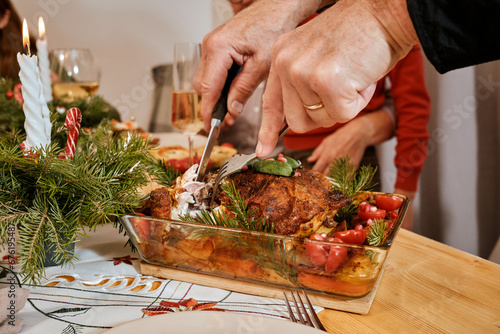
(210, 322)
(176, 138)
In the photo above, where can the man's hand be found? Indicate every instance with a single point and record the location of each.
(246, 39)
(334, 59)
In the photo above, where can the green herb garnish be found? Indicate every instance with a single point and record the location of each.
(376, 232)
(241, 217)
(350, 182)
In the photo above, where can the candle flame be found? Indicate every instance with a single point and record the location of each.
(41, 28)
(26, 38)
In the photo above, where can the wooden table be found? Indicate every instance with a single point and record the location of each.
(428, 287)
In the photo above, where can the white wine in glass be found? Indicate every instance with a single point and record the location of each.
(186, 113)
(76, 75)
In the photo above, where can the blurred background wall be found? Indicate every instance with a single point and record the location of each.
(458, 201)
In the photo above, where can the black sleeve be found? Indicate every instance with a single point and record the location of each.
(457, 33)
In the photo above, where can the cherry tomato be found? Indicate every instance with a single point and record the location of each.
(393, 215)
(182, 165)
(318, 254)
(9, 94)
(336, 257)
(367, 211)
(141, 227)
(354, 236)
(388, 203)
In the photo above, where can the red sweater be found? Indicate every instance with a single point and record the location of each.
(412, 103)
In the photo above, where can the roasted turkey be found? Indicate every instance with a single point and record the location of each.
(297, 205)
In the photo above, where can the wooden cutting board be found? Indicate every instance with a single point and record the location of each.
(360, 305)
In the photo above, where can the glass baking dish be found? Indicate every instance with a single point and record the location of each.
(259, 257)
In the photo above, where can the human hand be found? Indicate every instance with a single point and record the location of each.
(247, 40)
(352, 139)
(335, 59)
(345, 141)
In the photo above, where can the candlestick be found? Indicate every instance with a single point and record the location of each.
(72, 123)
(43, 60)
(36, 112)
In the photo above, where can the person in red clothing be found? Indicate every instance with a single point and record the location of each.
(373, 125)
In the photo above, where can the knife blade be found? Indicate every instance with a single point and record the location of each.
(218, 114)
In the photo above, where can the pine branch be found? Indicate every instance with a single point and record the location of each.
(350, 182)
(376, 233)
(50, 200)
(241, 217)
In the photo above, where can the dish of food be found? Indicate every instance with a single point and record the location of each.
(291, 231)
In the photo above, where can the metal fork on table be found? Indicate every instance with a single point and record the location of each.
(236, 163)
(302, 315)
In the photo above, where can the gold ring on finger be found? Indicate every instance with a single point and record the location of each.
(313, 106)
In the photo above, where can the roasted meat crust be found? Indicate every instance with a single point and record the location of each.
(159, 203)
(287, 202)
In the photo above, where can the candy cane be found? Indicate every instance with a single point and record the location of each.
(72, 123)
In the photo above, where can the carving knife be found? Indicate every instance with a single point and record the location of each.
(218, 114)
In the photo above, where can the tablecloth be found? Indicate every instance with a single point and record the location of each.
(105, 289)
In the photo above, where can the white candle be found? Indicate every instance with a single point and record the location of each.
(43, 59)
(36, 112)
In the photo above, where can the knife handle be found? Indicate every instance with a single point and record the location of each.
(220, 109)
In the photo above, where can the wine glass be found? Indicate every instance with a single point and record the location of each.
(186, 113)
(75, 74)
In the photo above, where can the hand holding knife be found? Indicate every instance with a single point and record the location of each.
(218, 114)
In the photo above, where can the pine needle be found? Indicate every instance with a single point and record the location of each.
(51, 200)
(376, 233)
(241, 217)
(350, 182)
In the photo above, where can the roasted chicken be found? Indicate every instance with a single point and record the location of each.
(296, 205)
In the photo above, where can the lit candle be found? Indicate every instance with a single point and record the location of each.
(36, 112)
(43, 60)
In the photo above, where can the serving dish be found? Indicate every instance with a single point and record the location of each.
(271, 259)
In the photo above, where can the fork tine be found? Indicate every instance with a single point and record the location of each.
(299, 313)
(290, 312)
(306, 314)
(314, 316)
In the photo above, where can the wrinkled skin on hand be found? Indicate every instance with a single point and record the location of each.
(246, 39)
(336, 59)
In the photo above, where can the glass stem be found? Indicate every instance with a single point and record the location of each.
(190, 146)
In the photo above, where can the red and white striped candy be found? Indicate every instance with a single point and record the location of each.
(72, 123)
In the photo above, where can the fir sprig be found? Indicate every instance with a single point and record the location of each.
(376, 233)
(94, 109)
(164, 173)
(50, 200)
(351, 182)
(240, 216)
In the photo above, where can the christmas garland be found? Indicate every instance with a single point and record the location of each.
(94, 109)
(48, 199)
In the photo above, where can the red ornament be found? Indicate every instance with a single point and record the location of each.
(18, 94)
(9, 94)
(72, 123)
